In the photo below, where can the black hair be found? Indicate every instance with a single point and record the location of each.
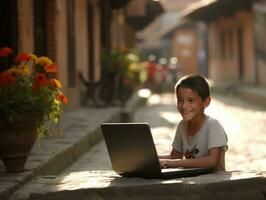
(196, 83)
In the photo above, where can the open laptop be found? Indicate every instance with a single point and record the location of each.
(133, 154)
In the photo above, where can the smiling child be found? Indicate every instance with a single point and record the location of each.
(200, 140)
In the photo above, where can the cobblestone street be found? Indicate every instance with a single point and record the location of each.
(244, 123)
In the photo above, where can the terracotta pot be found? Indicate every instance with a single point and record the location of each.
(16, 141)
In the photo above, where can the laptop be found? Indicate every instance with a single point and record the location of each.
(133, 154)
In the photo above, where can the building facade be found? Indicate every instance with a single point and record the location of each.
(236, 40)
(72, 33)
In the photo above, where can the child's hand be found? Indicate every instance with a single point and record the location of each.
(163, 163)
(166, 163)
(170, 163)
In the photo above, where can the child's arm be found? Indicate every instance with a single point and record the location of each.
(173, 155)
(210, 161)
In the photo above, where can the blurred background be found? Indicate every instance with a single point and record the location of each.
(140, 43)
(108, 51)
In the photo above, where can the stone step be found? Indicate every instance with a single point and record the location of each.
(108, 185)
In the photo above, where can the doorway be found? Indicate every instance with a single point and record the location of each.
(40, 37)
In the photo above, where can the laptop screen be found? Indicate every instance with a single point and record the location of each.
(131, 149)
(133, 154)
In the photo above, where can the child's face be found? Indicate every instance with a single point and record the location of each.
(190, 105)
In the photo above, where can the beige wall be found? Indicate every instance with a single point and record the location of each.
(81, 45)
(221, 67)
(62, 52)
(25, 26)
(81, 36)
(122, 35)
(185, 49)
(117, 29)
(224, 67)
(61, 42)
(245, 18)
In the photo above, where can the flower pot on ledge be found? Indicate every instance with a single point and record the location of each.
(16, 142)
(29, 94)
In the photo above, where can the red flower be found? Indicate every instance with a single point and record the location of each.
(5, 51)
(6, 79)
(22, 57)
(40, 80)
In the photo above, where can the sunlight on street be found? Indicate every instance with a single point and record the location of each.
(244, 124)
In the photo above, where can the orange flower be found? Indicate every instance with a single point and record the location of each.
(22, 57)
(55, 83)
(5, 51)
(61, 97)
(6, 79)
(51, 68)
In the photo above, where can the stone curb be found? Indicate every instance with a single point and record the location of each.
(105, 185)
(53, 154)
(53, 162)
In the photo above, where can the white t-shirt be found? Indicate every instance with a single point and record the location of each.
(211, 135)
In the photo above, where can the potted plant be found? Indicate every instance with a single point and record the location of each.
(123, 69)
(30, 96)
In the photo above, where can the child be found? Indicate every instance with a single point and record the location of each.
(199, 138)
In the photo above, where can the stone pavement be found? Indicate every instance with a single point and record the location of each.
(91, 176)
(52, 154)
(251, 93)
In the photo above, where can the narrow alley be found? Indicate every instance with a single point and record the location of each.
(83, 63)
(243, 122)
